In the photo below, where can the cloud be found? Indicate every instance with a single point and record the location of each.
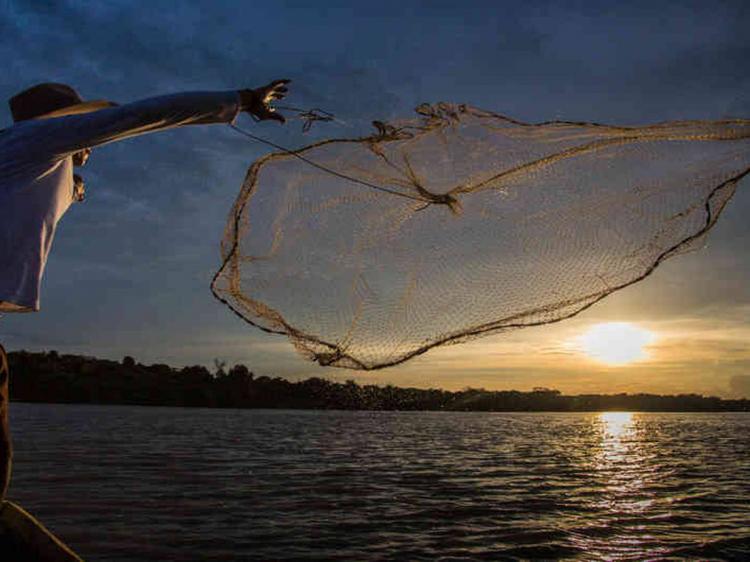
(739, 386)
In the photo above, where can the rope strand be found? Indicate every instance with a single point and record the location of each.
(324, 168)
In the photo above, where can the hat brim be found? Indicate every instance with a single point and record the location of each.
(78, 109)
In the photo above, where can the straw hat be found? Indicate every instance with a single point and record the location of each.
(48, 100)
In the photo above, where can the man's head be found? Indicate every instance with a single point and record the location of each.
(48, 100)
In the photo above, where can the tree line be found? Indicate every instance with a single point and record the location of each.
(53, 377)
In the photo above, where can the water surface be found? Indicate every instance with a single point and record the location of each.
(138, 483)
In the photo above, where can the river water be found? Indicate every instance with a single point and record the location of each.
(140, 483)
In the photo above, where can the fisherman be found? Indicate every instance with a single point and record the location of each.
(54, 131)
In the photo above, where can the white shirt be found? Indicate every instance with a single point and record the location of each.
(36, 175)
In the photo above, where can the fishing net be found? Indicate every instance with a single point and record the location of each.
(458, 223)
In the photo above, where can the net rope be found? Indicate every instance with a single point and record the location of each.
(366, 252)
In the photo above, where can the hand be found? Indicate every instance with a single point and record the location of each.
(257, 102)
(79, 188)
(81, 157)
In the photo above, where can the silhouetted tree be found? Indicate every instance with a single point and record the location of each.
(50, 377)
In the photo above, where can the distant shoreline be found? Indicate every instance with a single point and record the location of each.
(73, 379)
(271, 409)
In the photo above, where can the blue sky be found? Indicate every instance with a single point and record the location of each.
(130, 267)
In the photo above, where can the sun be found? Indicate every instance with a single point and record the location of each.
(616, 343)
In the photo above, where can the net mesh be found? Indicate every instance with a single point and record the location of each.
(460, 223)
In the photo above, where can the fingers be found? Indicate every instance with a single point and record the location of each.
(276, 86)
(266, 95)
(275, 91)
(274, 95)
(277, 94)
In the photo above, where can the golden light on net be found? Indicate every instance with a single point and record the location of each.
(616, 343)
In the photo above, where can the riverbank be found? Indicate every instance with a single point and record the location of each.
(56, 378)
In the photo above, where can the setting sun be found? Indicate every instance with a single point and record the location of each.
(616, 343)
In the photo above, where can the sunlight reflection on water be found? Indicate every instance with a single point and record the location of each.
(622, 464)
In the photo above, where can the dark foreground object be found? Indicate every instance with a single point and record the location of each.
(24, 539)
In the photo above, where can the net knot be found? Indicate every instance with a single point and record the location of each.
(451, 201)
(440, 113)
(327, 359)
(388, 132)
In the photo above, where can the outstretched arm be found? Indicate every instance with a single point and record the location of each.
(62, 136)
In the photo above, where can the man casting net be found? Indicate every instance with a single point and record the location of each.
(459, 223)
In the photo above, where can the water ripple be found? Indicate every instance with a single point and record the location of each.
(129, 483)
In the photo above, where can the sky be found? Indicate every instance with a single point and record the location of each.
(130, 267)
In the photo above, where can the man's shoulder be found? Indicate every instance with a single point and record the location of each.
(23, 140)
